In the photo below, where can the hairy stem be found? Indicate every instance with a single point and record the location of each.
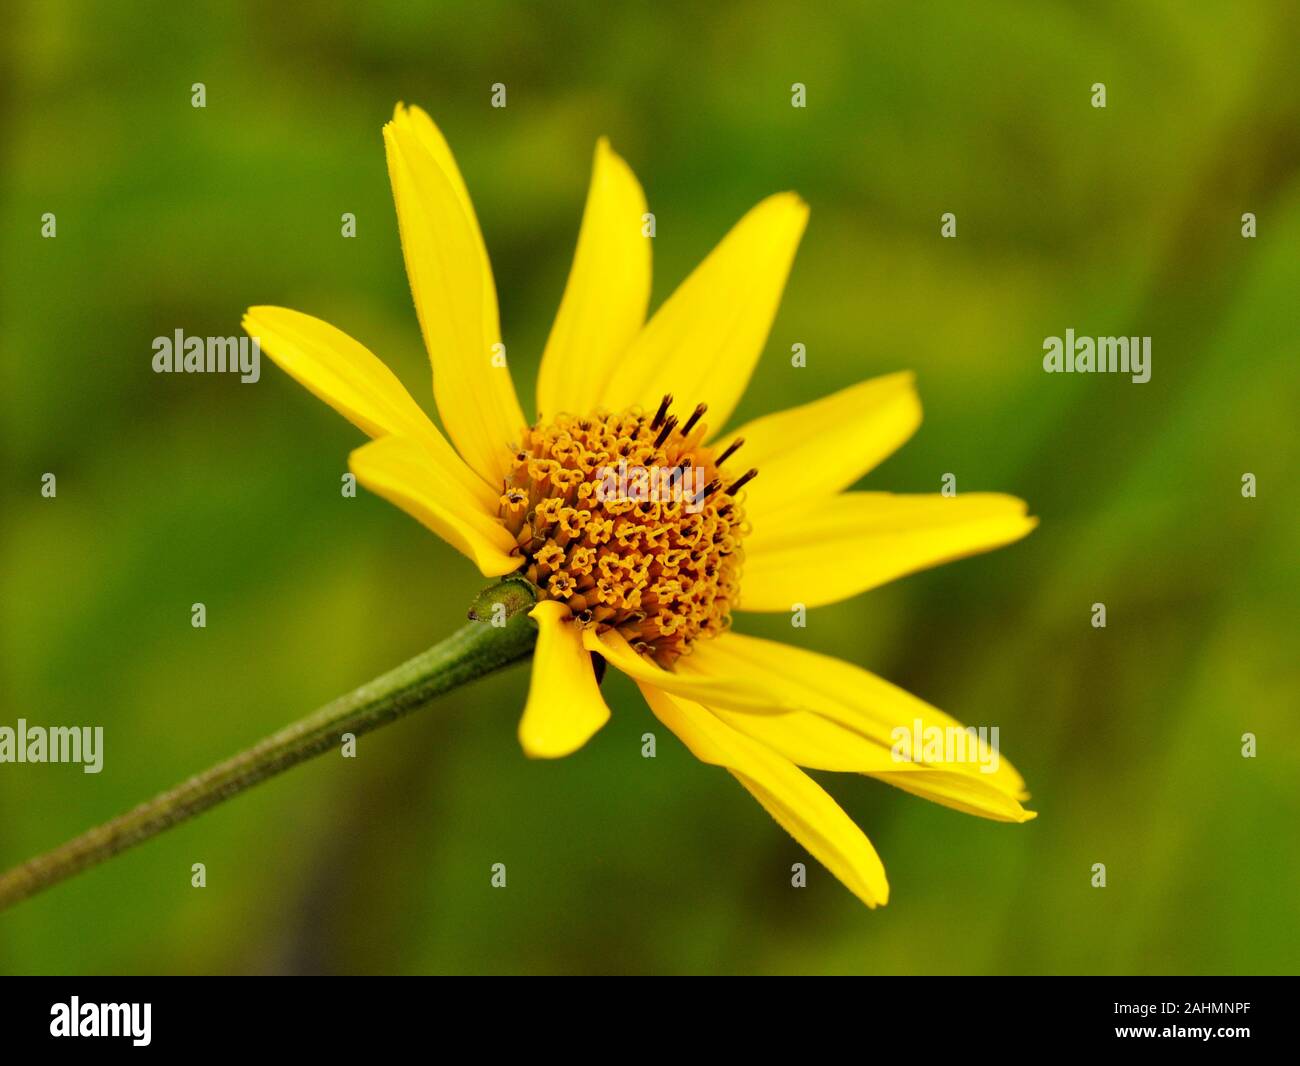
(499, 634)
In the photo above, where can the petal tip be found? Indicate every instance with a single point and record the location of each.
(549, 607)
(792, 202)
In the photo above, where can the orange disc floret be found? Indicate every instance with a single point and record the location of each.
(630, 520)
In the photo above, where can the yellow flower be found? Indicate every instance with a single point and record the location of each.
(648, 580)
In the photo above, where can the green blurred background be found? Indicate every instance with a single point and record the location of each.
(179, 489)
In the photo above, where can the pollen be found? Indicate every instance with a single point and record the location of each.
(631, 521)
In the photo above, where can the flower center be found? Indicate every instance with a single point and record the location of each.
(630, 520)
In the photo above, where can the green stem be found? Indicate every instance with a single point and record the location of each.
(471, 652)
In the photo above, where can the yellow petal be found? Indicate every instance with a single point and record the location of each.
(682, 681)
(818, 743)
(605, 300)
(702, 344)
(777, 690)
(565, 707)
(418, 121)
(961, 792)
(799, 804)
(802, 680)
(813, 451)
(455, 298)
(352, 380)
(400, 470)
(859, 540)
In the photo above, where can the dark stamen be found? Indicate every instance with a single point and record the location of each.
(695, 417)
(731, 450)
(708, 490)
(744, 479)
(664, 404)
(667, 428)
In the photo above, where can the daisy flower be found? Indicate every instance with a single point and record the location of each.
(648, 581)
